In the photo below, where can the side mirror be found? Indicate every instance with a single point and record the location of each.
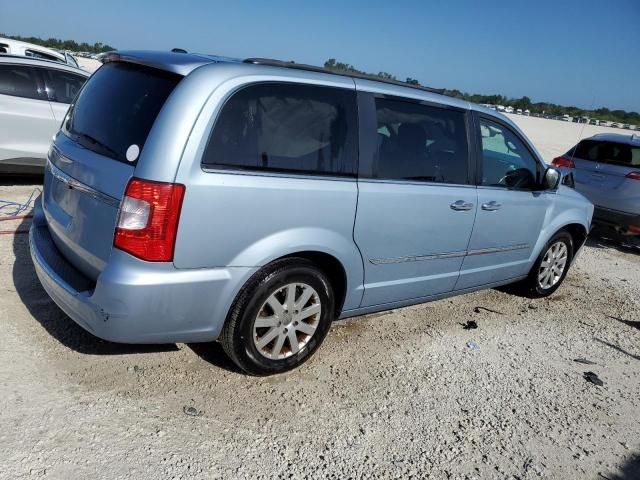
(551, 179)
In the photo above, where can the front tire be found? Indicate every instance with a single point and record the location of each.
(280, 317)
(551, 267)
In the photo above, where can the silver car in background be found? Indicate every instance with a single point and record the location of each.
(34, 98)
(606, 170)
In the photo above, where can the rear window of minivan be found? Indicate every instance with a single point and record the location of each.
(608, 152)
(117, 107)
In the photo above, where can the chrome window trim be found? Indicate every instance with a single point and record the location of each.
(77, 185)
(400, 181)
(275, 173)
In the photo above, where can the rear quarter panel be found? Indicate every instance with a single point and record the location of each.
(245, 219)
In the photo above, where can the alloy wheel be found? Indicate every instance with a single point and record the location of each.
(553, 265)
(287, 321)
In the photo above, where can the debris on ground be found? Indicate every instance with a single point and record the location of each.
(584, 361)
(473, 346)
(587, 324)
(593, 378)
(477, 310)
(192, 411)
(470, 325)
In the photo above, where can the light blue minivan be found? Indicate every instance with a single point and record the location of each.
(193, 198)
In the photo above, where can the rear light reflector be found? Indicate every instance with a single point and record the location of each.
(634, 228)
(563, 161)
(633, 175)
(148, 219)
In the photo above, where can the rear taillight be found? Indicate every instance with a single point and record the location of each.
(633, 175)
(563, 161)
(148, 219)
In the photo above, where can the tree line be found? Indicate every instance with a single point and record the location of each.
(524, 103)
(58, 44)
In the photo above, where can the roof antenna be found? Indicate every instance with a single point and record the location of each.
(575, 147)
(178, 50)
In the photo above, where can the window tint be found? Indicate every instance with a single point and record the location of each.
(286, 127)
(19, 81)
(506, 161)
(62, 86)
(608, 152)
(117, 108)
(419, 142)
(42, 55)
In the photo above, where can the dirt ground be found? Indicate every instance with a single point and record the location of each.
(394, 395)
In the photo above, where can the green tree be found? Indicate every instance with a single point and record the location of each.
(56, 43)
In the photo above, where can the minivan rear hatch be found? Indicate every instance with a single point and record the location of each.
(95, 154)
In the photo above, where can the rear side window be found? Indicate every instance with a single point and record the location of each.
(420, 143)
(19, 81)
(286, 128)
(62, 86)
(117, 107)
(608, 152)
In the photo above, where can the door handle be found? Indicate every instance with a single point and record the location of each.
(461, 206)
(491, 206)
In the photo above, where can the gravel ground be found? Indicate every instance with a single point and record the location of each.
(393, 395)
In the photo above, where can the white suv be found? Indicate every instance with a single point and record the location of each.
(16, 47)
(34, 98)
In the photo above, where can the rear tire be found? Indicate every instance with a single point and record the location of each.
(551, 267)
(280, 317)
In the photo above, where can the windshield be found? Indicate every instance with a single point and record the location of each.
(117, 107)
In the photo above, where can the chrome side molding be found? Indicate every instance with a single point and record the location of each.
(421, 258)
(484, 251)
(416, 258)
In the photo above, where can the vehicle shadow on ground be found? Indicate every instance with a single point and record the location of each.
(213, 353)
(54, 320)
(617, 348)
(630, 470)
(608, 238)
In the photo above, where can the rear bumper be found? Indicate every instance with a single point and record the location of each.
(134, 301)
(615, 218)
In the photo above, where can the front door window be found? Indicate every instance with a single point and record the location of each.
(506, 162)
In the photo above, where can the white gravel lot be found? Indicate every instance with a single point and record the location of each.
(395, 395)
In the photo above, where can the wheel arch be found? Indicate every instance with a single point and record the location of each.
(332, 268)
(578, 234)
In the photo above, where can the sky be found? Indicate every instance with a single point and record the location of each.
(573, 52)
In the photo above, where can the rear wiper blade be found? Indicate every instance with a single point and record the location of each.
(97, 142)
